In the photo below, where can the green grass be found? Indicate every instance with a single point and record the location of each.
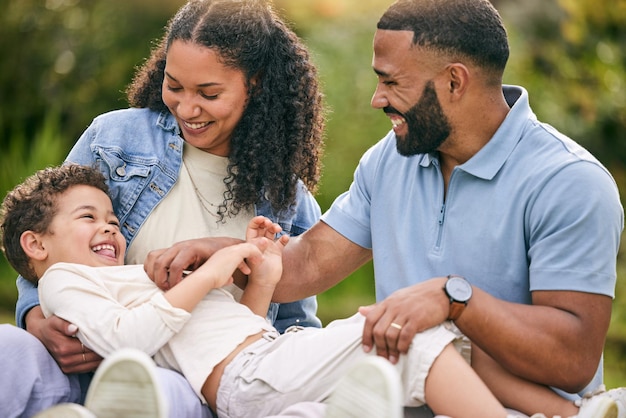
(7, 317)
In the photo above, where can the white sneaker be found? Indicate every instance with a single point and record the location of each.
(371, 389)
(617, 396)
(598, 407)
(66, 410)
(125, 385)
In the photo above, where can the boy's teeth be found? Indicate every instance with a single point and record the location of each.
(104, 248)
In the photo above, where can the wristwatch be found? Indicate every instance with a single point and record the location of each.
(459, 291)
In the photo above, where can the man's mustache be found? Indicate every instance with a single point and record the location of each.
(390, 110)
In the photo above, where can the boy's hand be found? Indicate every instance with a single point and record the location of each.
(260, 226)
(265, 273)
(268, 272)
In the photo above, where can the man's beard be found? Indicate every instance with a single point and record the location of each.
(427, 125)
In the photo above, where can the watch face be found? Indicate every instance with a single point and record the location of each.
(459, 289)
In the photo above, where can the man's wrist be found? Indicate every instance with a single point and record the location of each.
(459, 292)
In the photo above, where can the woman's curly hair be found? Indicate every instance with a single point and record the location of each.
(280, 136)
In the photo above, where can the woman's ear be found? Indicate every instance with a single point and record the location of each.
(33, 246)
(255, 84)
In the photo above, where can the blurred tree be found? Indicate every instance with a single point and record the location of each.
(571, 55)
(71, 57)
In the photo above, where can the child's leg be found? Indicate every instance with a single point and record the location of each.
(453, 388)
(517, 393)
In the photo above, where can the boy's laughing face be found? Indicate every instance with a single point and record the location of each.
(84, 230)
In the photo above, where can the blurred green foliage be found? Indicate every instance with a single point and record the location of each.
(67, 61)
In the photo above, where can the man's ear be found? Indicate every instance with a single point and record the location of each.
(33, 246)
(458, 78)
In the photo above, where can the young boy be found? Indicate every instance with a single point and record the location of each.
(59, 230)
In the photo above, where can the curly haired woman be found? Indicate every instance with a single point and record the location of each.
(226, 123)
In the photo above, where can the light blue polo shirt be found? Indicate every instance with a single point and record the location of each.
(532, 210)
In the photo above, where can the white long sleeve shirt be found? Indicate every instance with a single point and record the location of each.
(115, 307)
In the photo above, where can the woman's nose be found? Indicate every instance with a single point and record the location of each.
(188, 108)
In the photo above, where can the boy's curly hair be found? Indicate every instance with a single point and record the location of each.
(32, 205)
(280, 136)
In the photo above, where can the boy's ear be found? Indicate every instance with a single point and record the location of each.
(33, 246)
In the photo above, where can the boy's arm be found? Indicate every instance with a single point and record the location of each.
(257, 294)
(105, 324)
(216, 272)
(263, 279)
(56, 334)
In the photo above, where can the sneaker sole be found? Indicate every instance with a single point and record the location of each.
(66, 410)
(371, 389)
(125, 385)
(600, 407)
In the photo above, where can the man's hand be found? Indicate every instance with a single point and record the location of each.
(59, 337)
(166, 267)
(391, 324)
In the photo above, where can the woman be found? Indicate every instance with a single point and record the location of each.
(226, 123)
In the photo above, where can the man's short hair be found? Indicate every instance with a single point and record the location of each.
(460, 28)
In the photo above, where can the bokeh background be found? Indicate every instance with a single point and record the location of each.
(66, 61)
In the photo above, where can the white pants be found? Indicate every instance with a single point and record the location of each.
(278, 371)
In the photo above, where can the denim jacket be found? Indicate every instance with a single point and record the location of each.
(139, 151)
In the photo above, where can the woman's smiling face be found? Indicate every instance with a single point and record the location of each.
(207, 97)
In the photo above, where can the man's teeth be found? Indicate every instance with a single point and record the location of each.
(196, 125)
(397, 122)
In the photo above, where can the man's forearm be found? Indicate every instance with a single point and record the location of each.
(545, 344)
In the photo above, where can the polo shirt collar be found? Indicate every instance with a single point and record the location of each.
(490, 159)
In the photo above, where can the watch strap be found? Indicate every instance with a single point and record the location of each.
(456, 306)
(456, 309)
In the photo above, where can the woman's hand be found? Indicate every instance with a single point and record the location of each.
(167, 267)
(59, 337)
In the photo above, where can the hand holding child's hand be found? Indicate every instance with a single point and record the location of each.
(268, 272)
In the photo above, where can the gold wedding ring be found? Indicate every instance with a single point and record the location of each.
(396, 326)
(83, 347)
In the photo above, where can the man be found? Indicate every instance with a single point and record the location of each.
(469, 183)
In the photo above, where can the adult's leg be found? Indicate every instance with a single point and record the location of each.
(182, 400)
(31, 379)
